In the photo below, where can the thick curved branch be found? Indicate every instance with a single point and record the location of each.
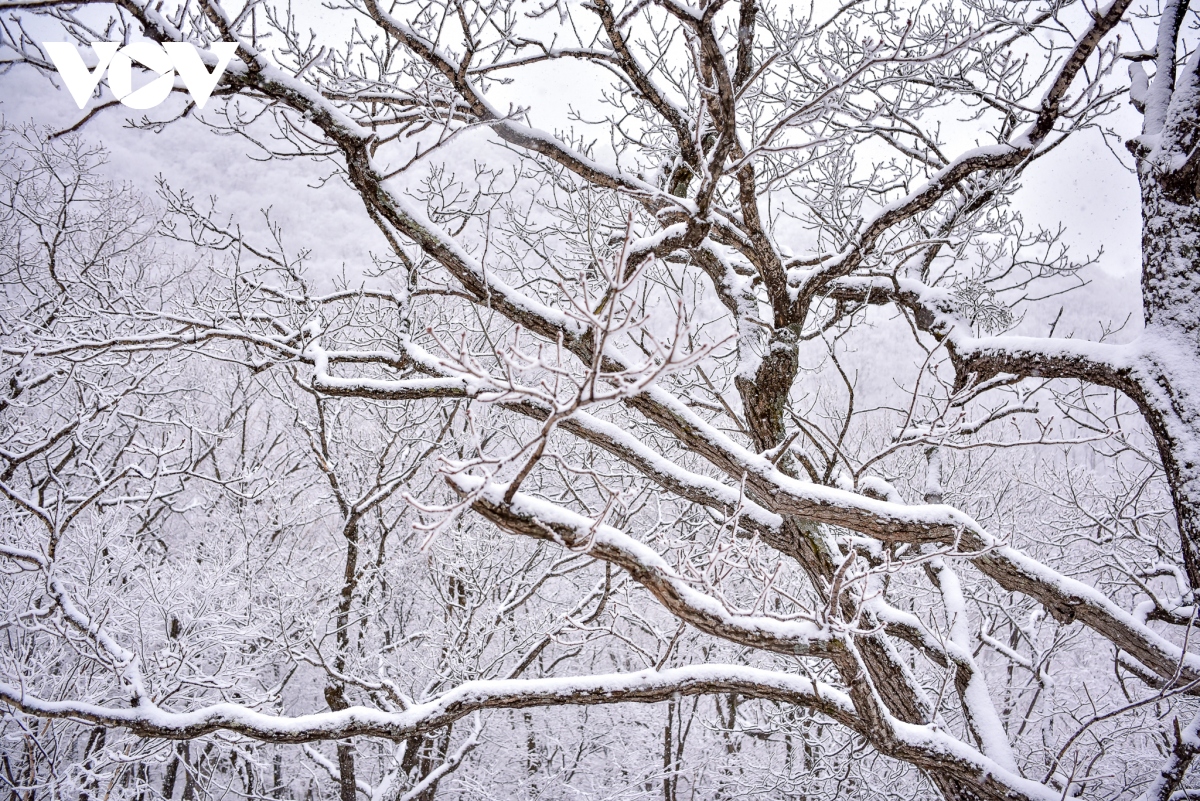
(647, 687)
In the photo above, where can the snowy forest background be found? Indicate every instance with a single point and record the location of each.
(503, 400)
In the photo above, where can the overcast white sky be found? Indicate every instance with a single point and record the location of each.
(1082, 184)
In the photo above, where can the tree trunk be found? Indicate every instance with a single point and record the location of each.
(1169, 375)
(345, 754)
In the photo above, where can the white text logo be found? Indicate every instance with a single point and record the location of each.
(166, 60)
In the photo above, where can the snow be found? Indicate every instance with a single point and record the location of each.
(976, 699)
(772, 495)
(881, 487)
(649, 568)
(1177, 763)
(456, 703)
(462, 385)
(1156, 95)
